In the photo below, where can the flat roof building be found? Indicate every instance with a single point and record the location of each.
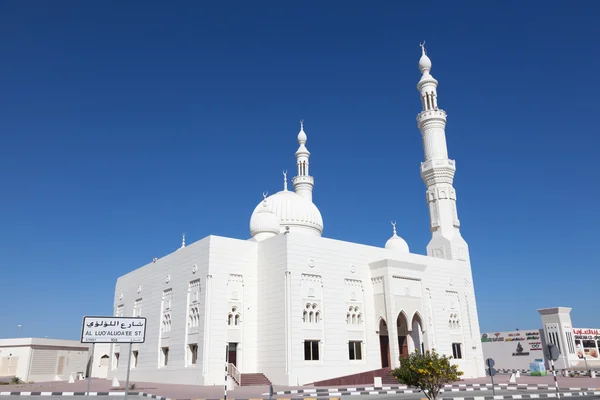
(39, 360)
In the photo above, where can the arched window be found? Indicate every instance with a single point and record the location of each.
(353, 316)
(311, 313)
(237, 319)
(229, 319)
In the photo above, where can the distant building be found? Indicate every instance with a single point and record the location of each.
(298, 307)
(579, 347)
(39, 360)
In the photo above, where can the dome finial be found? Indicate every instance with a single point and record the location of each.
(183, 240)
(302, 134)
(396, 242)
(424, 61)
(285, 181)
(265, 194)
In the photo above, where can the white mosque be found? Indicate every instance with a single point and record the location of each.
(297, 307)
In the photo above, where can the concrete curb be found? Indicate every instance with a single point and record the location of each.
(325, 395)
(71, 394)
(406, 389)
(525, 396)
(152, 396)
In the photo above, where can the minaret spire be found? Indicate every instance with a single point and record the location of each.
(303, 182)
(438, 171)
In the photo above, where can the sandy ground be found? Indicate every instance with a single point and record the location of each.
(215, 392)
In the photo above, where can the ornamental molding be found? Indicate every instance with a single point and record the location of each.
(353, 282)
(312, 278)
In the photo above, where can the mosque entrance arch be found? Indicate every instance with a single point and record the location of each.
(417, 334)
(402, 325)
(384, 344)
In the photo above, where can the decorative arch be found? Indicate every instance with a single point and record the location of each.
(234, 316)
(312, 313)
(384, 342)
(354, 315)
(418, 332)
(402, 325)
(418, 317)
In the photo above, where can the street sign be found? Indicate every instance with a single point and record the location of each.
(553, 352)
(491, 371)
(113, 330)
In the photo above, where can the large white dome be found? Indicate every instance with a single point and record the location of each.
(295, 212)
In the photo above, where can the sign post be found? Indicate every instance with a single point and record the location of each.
(128, 370)
(113, 330)
(553, 355)
(226, 370)
(89, 377)
(491, 371)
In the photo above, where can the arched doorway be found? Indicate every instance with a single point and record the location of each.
(102, 370)
(417, 333)
(402, 324)
(384, 344)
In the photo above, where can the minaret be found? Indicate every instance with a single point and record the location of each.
(303, 182)
(438, 172)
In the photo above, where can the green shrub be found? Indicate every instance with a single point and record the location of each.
(428, 372)
(15, 380)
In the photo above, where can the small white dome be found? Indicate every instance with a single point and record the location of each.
(424, 63)
(396, 242)
(302, 136)
(293, 211)
(264, 221)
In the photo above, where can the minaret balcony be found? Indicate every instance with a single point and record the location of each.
(425, 116)
(438, 171)
(303, 179)
(441, 164)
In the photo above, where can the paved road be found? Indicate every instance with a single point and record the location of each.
(71, 398)
(395, 396)
(415, 396)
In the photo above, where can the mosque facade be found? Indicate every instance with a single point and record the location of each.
(298, 307)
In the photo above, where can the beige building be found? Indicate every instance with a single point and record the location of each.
(39, 360)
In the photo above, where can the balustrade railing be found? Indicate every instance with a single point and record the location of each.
(234, 373)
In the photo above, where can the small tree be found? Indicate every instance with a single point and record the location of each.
(428, 372)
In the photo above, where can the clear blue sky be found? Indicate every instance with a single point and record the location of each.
(124, 124)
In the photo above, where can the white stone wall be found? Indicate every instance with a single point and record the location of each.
(270, 284)
(173, 271)
(272, 335)
(230, 257)
(14, 361)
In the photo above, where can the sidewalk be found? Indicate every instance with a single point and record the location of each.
(173, 391)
